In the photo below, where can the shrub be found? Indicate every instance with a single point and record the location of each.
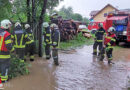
(17, 68)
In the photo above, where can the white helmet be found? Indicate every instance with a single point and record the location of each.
(27, 26)
(45, 24)
(100, 25)
(6, 24)
(17, 24)
(54, 14)
(111, 29)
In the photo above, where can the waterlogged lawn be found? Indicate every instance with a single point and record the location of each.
(77, 42)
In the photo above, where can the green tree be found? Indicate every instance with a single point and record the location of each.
(31, 11)
(66, 13)
(86, 20)
(77, 17)
(5, 10)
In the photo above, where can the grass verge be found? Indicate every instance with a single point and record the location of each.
(77, 42)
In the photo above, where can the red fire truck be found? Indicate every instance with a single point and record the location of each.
(94, 25)
(121, 22)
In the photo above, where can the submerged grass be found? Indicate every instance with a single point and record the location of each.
(77, 42)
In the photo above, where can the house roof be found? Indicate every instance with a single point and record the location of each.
(103, 9)
(94, 12)
(125, 10)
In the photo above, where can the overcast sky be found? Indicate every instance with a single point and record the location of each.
(84, 7)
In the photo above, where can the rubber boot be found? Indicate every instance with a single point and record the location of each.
(101, 58)
(56, 62)
(48, 57)
(31, 60)
(109, 61)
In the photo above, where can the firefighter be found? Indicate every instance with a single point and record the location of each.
(55, 36)
(20, 38)
(5, 48)
(30, 46)
(109, 42)
(47, 39)
(54, 18)
(99, 39)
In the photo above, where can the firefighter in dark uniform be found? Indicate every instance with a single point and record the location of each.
(109, 42)
(55, 35)
(99, 39)
(5, 48)
(20, 39)
(30, 46)
(54, 18)
(47, 39)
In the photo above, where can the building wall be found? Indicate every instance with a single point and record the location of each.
(100, 17)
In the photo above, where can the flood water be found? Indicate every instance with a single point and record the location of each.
(78, 70)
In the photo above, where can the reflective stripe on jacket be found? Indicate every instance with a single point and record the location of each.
(5, 44)
(20, 38)
(47, 35)
(30, 36)
(110, 39)
(55, 38)
(99, 35)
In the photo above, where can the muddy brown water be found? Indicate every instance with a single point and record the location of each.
(78, 70)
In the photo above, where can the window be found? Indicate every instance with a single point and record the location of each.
(105, 14)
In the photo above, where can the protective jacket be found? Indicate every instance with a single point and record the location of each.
(20, 37)
(110, 40)
(30, 36)
(99, 35)
(5, 44)
(55, 37)
(47, 35)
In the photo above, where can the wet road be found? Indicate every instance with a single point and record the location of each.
(78, 70)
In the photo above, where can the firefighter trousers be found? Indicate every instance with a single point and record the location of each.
(4, 68)
(95, 46)
(102, 54)
(47, 51)
(20, 52)
(109, 53)
(55, 55)
(30, 49)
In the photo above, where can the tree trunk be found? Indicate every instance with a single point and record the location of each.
(41, 19)
(28, 12)
(33, 15)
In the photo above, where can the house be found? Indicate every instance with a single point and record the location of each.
(101, 15)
